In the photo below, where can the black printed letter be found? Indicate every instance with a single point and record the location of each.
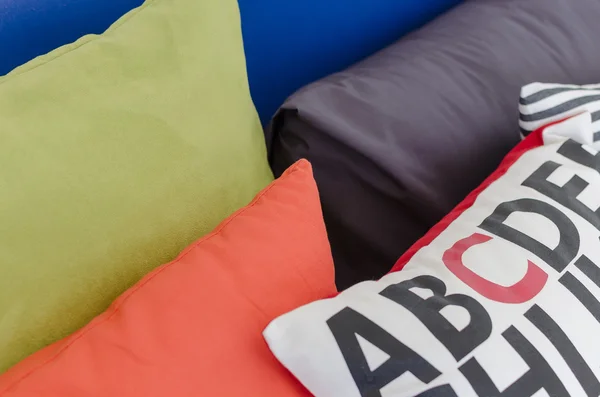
(566, 195)
(539, 376)
(440, 391)
(559, 257)
(579, 290)
(574, 151)
(565, 347)
(459, 343)
(346, 325)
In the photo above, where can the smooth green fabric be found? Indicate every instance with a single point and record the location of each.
(115, 153)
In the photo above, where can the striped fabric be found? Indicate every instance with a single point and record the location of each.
(542, 103)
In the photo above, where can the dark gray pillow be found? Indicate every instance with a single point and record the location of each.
(399, 139)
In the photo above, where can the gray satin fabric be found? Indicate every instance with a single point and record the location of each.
(399, 139)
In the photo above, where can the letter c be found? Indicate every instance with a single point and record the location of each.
(524, 290)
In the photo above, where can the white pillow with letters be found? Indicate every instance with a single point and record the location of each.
(502, 298)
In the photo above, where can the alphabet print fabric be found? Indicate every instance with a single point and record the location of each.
(502, 298)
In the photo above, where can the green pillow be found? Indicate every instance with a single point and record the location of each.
(116, 152)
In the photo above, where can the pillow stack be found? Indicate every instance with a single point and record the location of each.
(501, 298)
(399, 139)
(193, 326)
(117, 152)
(120, 150)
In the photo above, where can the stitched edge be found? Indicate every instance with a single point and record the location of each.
(67, 48)
(121, 301)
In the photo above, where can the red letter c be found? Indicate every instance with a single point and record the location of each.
(524, 290)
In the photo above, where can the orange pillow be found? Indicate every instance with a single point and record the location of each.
(193, 327)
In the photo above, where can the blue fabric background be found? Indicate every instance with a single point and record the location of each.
(289, 43)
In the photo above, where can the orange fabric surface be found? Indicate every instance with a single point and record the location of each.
(193, 327)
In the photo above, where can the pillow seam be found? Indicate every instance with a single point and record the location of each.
(68, 48)
(142, 283)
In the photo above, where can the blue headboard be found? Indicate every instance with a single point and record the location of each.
(289, 43)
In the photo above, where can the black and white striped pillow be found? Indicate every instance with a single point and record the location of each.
(541, 104)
